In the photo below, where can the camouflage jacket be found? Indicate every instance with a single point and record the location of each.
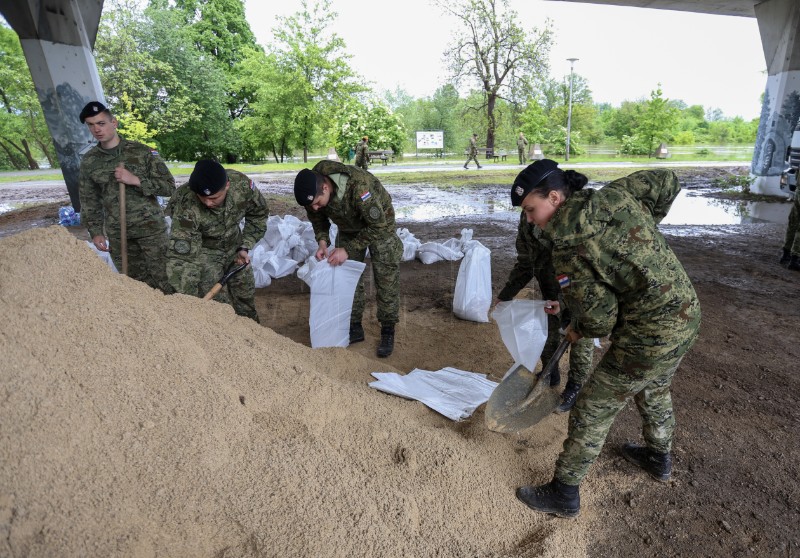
(362, 210)
(473, 147)
(99, 191)
(362, 155)
(522, 143)
(533, 260)
(617, 274)
(197, 228)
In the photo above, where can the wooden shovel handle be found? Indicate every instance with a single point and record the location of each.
(123, 228)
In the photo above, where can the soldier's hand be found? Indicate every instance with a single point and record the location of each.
(121, 174)
(100, 243)
(338, 256)
(322, 251)
(552, 307)
(242, 257)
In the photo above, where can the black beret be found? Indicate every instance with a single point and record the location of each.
(207, 178)
(92, 109)
(305, 186)
(529, 178)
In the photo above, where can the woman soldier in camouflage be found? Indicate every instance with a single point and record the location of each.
(619, 277)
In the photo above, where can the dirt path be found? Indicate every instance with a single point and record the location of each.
(736, 485)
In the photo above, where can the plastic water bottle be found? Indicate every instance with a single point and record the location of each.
(67, 216)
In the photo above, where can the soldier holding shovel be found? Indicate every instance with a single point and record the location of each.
(145, 176)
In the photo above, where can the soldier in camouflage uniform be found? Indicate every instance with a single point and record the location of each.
(618, 276)
(534, 260)
(522, 146)
(473, 151)
(791, 246)
(362, 153)
(206, 239)
(363, 212)
(145, 176)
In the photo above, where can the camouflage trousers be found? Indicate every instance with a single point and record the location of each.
(472, 158)
(792, 242)
(521, 153)
(385, 255)
(362, 165)
(197, 277)
(605, 395)
(580, 353)
(147, 257)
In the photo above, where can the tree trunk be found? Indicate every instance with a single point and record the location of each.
(46, 151)
(12, 157)
(491, 101)
(28, 155)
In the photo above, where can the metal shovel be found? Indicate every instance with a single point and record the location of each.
(221, 283)
(524, 398)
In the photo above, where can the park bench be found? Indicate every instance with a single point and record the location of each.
(489, 153)
(382, 155)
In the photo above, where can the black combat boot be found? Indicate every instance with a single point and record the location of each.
(786, 257)
(794, 263)
(356, 332)
(569, 396)
(387, 341)
(563, 500)
(657, 465)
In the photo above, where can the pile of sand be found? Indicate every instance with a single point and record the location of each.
(136, 424)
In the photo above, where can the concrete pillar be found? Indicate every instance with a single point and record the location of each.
(779, 24)
(57, 39)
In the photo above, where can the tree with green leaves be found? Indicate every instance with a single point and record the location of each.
(657, 120)
(384, 128)
(23, 133)
(316, 62)
(491, 50)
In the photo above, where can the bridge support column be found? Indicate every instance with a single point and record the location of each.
(779, 24)
(57, 41)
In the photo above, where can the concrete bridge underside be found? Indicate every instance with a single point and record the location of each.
(58, 37)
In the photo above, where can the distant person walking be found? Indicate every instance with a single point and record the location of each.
(473, 151)
(522, 148)
(362, 153)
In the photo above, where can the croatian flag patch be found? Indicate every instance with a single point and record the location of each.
(365, 196)
(252, 185)
(563, 280)
(154, 152)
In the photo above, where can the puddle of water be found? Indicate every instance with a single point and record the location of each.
(689, 208)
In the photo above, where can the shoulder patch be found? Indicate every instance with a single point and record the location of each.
(374, 213)
(252, 185)
(365, 196)
(154, 152)
(563, 281)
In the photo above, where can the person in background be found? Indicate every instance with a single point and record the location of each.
(522, 148)
(473, 151)
(362, 210)
(206, 240)
(362, 153)
(791, 245)
(619, 277)
(145, 175)
(534, 260)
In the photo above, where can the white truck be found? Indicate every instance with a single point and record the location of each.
(789, 175)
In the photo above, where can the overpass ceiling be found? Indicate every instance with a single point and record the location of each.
(744, 8)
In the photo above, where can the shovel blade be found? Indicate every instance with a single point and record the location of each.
(520, 401)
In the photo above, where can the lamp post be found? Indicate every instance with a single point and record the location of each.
(569, 112)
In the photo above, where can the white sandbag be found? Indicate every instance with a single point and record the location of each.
(523, 328)
(105, 256)
(332, 290)
(410, 244)
(452, 392)
(431, 252)
(279, 266)
(258, 257)
(473, 293)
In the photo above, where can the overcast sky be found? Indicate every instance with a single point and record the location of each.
(714, 61)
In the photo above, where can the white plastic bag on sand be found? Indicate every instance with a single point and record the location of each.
(332, 290)
(473, 293)
(449, 391)
(431, 252)
(523, 328)
(105, 256)
(410, 244)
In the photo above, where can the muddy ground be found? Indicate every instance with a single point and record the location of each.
(735, 489)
